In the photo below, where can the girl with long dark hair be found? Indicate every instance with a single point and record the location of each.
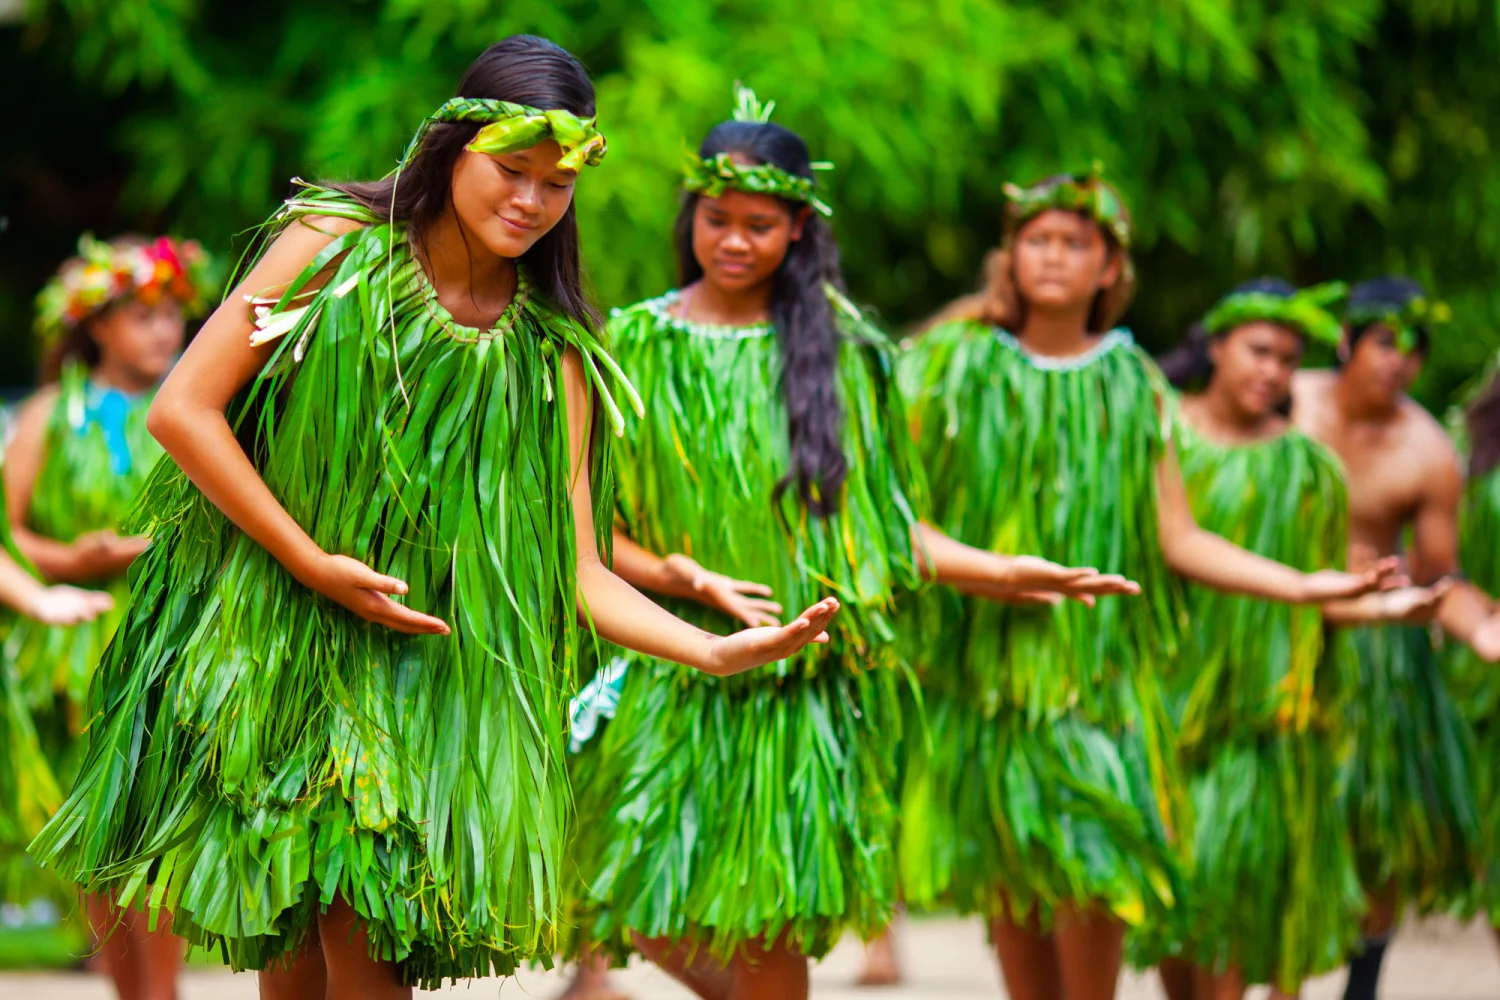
(750, 820)
(1258, 691)
(1050, 798)
(394, 413)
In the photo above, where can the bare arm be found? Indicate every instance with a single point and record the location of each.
(623, 615)
(188, 418)
(975, 571)
(60, 605)
(1407, 605)
(1467, 614)
(677, 575)
(1213, 561)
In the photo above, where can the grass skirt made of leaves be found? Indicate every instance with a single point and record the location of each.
(256, 751)
(96, 456)
(1271, 885)
(1001, 815)
(1048, 776)
(1258, 696)
(742, 809)
(1411, 785)
(732, 810)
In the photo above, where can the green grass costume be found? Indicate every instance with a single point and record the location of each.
(1049, 778)
(256, 750)
(728, 809)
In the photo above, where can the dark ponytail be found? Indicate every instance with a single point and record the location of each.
(521, 69)
(800, 311)
(1189, 366)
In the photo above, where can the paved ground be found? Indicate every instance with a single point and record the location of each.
(946, 960)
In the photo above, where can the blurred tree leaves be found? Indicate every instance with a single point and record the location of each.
(1310, 138)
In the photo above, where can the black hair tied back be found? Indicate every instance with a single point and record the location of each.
(800, 311)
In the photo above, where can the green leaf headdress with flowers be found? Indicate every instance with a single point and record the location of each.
(1310, 311)
(106, 272)
(714, 175)
(1404, 319)
(1085, 192)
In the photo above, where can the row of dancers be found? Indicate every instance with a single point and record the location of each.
(1072, 644)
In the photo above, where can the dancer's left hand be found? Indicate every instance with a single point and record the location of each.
(1336, 585)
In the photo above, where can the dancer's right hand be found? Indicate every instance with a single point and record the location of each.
(755, 647)
(64, 605)
(100, 554)
(365, 592)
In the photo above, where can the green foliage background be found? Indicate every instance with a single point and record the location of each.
(1309, 138)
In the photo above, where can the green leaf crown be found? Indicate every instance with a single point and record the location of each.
(1086, 192)
(1404, 319)
(714, 175)
(1309, 310)
(510, 128)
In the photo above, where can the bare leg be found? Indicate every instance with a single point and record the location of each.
(1228, 985)
(1028, 957)
(1278, 994)
(302, 975)
(1177, 980)
(1090, 949)
(352, 973)
(141, 963)
(778, 972)
(690, 965)
(161, 957)
(117, 959)
(882, 966)
(591, 979)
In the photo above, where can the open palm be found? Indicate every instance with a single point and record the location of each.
(755, 647)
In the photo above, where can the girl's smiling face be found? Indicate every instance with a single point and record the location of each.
(511, 200)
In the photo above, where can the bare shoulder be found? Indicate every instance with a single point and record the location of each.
(33, 413)
(1424, 438)
(1313, 384)
(332, 226)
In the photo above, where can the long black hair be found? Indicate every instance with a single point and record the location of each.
(1391, 289)
(800, 311)
(1189, 366)
(521, 69)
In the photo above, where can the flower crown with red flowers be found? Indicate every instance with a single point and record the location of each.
(105, 272)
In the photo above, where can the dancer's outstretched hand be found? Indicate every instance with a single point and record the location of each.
(755, 647)
(1413, 605)
(1335, 585)
(1033, 573)
(363, 591)
(63, 605)
(742, 600)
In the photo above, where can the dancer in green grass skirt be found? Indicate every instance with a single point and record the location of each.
(1049, 799)
(1259, 691)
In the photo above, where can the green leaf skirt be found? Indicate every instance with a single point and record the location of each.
(1411, 785)
(1272, 887)
(722, 811)
(999, 812)
(1476, 687)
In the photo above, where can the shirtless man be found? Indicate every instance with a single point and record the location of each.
(1403, 472)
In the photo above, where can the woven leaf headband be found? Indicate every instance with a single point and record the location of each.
(510, 128)
(1086, 192)
(1404, 319)
(1309, 310)
(714, 175)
